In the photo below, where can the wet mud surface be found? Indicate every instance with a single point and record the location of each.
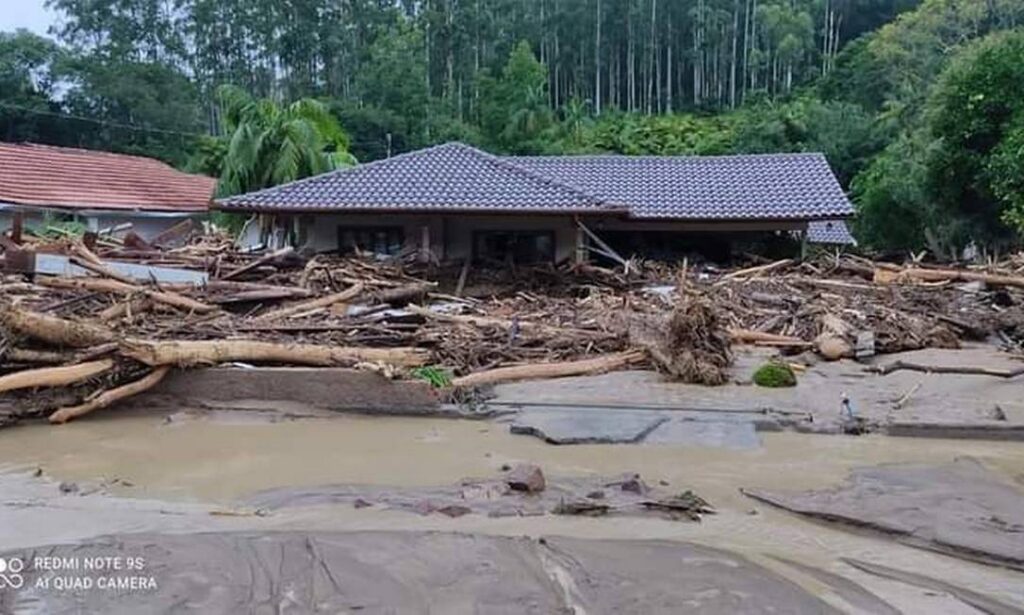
(403, 572)
(178, 479)
(960, 508)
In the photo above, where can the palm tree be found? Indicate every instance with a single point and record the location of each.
(269, 144)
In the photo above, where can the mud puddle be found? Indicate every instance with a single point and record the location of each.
(181, 471)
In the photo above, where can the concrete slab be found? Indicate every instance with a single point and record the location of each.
(941, 399)
(582, 426)
(326, 388)
(960, 508)
(734, 435)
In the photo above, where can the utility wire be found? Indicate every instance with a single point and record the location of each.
(82, 118)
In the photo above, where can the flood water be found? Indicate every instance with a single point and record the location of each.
(172, 473)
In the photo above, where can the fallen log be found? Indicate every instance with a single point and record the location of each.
(259, 262)
(597, 365)
(113, 286)
(187, 353)
(30, 355)
(321, 302)
(888, 276)
(53, 330)
(748, 336)
(106, 398)
(944, 369)
(54, 376)
(756, 271)
(487, 321)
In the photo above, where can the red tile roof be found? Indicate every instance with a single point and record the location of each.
(47, 176)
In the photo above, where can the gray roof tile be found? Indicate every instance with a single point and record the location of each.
(449, 177)
(456, 177)
(761, 186)
(830, 231)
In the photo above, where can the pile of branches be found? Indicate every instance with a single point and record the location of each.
(71, 344)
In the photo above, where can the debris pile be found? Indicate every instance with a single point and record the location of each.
(85, 325)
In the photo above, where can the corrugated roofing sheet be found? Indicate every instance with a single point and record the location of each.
(63, 177)
(461, 178)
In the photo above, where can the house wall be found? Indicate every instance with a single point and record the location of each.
(146, 227)
(450, 236)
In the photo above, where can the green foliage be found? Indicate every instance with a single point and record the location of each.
(665, 135)
(775, 374)
(268, 144)
(438, 378)
(846, 133)
(515, 112)
(976, 112)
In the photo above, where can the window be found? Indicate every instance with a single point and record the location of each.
(381, 240)
(515, 246)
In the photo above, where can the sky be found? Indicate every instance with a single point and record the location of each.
(29, 14)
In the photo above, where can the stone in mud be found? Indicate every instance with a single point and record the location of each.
(596, 495)
(526, 477)
(454, 510)
(68, 487)
(361, 503)
(632, 483)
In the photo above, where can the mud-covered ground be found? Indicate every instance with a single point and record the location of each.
(177, 478)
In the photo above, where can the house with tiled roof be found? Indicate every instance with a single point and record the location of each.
(454, 202)
(41, 183)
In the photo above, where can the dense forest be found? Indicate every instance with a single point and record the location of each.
(915, 102)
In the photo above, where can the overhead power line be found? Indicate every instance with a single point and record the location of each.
(82, 118)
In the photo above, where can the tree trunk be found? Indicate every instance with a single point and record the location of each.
(189, 353)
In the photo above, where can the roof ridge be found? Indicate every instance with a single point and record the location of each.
(338, 171)
(503, 162)
(640, 157)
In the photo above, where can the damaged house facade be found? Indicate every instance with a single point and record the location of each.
(453, 203)
(105, 192)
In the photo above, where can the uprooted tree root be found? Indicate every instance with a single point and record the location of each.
(691, 344)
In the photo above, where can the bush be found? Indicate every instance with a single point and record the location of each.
(774, 375)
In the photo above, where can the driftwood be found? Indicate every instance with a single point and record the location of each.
(259, 262)
(113, 286)
(53, 330)
(192, 353)
(106, 398)
(321, 302)
(945, 369)
(598, 365)
(746, 336)
(500, 323)
(54, 376)
(888, 276)
(756, 271)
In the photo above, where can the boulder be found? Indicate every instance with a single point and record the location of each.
(526, 477)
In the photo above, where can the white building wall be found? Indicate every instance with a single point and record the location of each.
(450, 236)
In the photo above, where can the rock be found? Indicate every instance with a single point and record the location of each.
(584, 508)
(361, 503)
(68, 487)
(596, 495)
(631, 483)
(38, 472)
(505, 467)
(424, 507)
(526, 477)
(834, 348)
(454, 510)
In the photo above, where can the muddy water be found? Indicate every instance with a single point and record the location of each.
(212, 462)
